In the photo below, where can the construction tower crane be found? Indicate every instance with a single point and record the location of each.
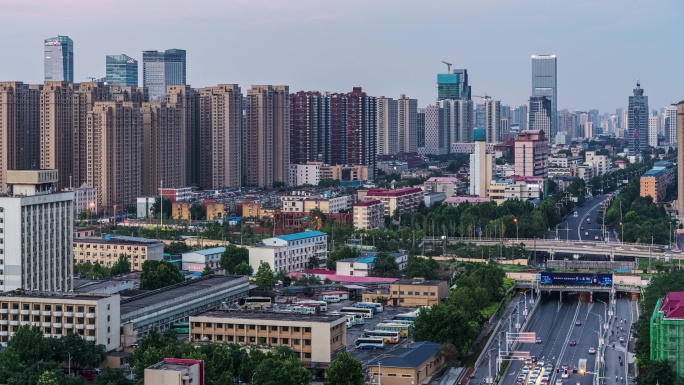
(448, 66)
(486, 97)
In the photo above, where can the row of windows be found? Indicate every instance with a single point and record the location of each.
(47, 318)
(46, 307)
(425, 293)
(254, 340)
(220, 325)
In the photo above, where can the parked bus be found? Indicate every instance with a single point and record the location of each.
(370, 343)
(390, 337)
(305, 309)
(256, 302)
(400, 322)
(377, 306)
(351, 320)
(366, 312)
(402, 329)
(323, 305)
(406, 317)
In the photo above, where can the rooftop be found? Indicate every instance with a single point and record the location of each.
(268, 315)
(298, 236)
(467, 199)
(654, 172)
(21, 293)
(442, 179)
(410, 357)
(381, 192)
(213, 250)
(119, 239)
(418, 282)
(174, 364)
(673, 305)
(369, 202)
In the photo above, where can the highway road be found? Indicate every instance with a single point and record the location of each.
(574, 228)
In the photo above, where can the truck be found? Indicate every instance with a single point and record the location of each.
(582, 366)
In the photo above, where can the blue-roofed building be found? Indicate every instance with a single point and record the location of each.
(654, 182)
(291, 252)
(414, 364)
(198, 260)
(363, 265)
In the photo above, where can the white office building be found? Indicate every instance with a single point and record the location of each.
(290, 252)
(305, 174)
(653, 125)
(36, 233)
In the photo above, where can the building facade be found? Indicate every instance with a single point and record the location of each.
(436, 134)
(122, 70)
(412, 293)
(481, 166)
(531, 153)
(161, 69)
(407, 124)
(85, 199)
(387, 133)
(453, 85)
(107, 251)
(667, 323)
(401, 201)
(309, 127)
(545, 84)
(369, 215)
(175, 371)
(198, 260)
(540, 115)
(59, 59)
(290, 252)
(56, 130)
(305, 174)
(492, 120)
(638, 120)
(414, 364)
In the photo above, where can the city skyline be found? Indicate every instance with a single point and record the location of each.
(595, 43)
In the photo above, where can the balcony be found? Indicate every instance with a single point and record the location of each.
(90, 327)
(57, 324)
(46, 312)
(35, 312)
(3, 333)
(25, 312)
(4, 322)
(4, 311)
(35, 324)
(79, 326)
(14, 311)
(90, 315)
(68, 313)
(68, 326)
(79, 315)
(46, 324)
(14, 323)
(90, 338)
(24, 323)
(57, 314)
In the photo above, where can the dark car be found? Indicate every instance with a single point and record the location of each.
(573, 343)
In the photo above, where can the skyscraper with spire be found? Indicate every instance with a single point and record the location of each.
(637, 116)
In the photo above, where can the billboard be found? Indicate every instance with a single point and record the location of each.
(576, 279)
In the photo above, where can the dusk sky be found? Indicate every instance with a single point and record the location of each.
(388, 47)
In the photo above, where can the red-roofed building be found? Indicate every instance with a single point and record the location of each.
(369, 215)
(667, 330)
(406, 200)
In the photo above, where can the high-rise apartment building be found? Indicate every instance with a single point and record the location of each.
(568, 123)
(114, 154)
(638, 120)
(481, 165)
(544, 83)
(184, 97)
(19, 128)
(523, 112)
(56, 130)
(221, 137)
(531, 153)
(59, 59)
(457, 120)
(653, 125)
(492, 120)
(86, 94)
(338, 129)
(37, 233)
(540, 115)
(479, 115)
(122, 70)
(407, 124)
(420, 119)
(361, 130)
(387, 134)
(453, 85)
(309, 127)
(266, 150)
(680, 158)
(670, 126)
(161, 69)
(436, 134)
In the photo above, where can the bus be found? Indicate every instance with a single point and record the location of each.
(370, 343)
(388, 336)
(406, 316)
(322, 304)
(366, 312)
(376, 306)
(400, 322)
(256, 302)
(351, 320)
(305, 309)
(402, 329)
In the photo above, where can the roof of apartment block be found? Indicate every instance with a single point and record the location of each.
(673, 305)
(269, 315)
(369, 202)
(409, 357)
(298, 236)
(381, 192)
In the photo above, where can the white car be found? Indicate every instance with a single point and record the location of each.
(592, 351)
(622, 339)
(559, 381)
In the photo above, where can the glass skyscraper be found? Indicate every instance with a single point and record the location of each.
(637, 115)
(59, 59)
(453, 86)
(122, 70)
(161, 69)
(544, 83)
(540, 115)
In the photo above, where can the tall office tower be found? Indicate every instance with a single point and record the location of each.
(37, 233)
(436, 134)
(161, 69)
(266, 150)
(420, 119)
(361, 130)
(481, 165)
(524, 119)
(505, 125)
(653, 123)
(221, 137)
(595, 118)
(531, 153)
(453, 85)
(122, 70)
(515, 116)
(479, 115)
(184, 97)
(457, 120)
(670, 124)
(568, 123)
(540, 115)
(506, 112)
(85, 96)
(407, 124)
(59, 60)
(114, 156)
(544, 83)
(638, 120)
(19, 128)
(56, 130)
(338, 128)
(588, 130)
(492, 120)
(680, 157)
(387, 133)
(309, 127)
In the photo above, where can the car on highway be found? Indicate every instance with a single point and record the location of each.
(540, 363)
(525, 370)
(539, 341)
(578, 323)
(596, 237)
(622, 339)
(592, 350)
(559, 381)
(573, 343)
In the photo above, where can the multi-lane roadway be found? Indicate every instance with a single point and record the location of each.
(575, 227)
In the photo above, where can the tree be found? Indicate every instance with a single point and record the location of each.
(317, 219)
(158, 274)
(232, 257)
(166, 207)
(176, 248)
(207, 271)
(656, 372)
(112, 377)
(385, 266)
(343, 253)
(197, 212)
(445, 323)
(27, 346)
(243, 268)
(48, 378)
(122, 266)
(264, 276)
(421, 267)
(286, 372)
(345, 370)
(328, 182)
(312, 263)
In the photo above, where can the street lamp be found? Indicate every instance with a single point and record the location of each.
(91, 205)
(516, 229)
(69, 363)
(622, 225)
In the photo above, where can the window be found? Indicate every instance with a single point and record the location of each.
(274, 341)
(274, 328)
(296, 341)
(252, 339)
(425, 293)
(91, 309)
(262, 327)
(198, 324)
(197, 337)
(286, 328)
(240, 326)
(307, 330)
(207, 325)
(252, 327)
(394, 292)
(241, 339)
(401, 292)
(286, 341)
(296, 329)
(406, 375)
(307, 355)
(307, 342)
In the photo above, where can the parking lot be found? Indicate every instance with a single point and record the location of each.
(366, 355)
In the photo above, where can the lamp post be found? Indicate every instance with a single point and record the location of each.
(516, 229)
(622, 239)
(69, 363)
(91, 205)
(252, 382)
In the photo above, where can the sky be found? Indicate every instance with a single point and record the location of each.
(388, 47)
